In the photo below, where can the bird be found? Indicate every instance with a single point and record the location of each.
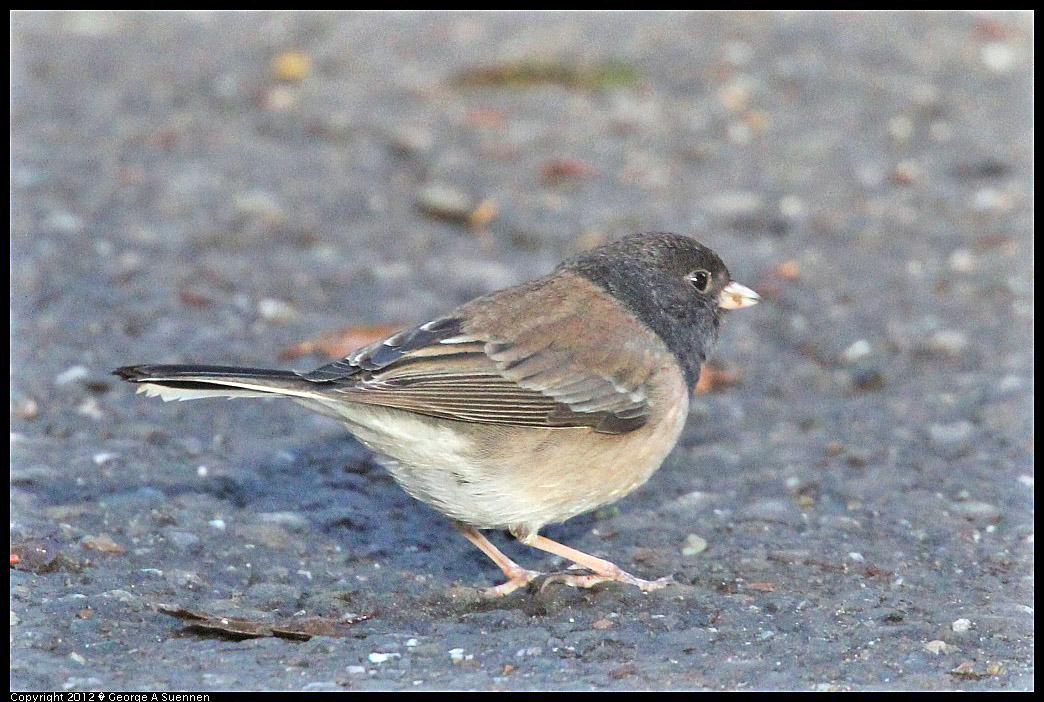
(524, 407)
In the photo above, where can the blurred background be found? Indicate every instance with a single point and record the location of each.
(851, 505)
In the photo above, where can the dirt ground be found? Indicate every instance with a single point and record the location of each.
(850, 507)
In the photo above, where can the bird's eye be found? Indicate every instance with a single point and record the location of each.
(700, 280)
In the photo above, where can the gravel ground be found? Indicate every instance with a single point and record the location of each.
(850, 507)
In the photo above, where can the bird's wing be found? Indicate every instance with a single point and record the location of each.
(505, 364)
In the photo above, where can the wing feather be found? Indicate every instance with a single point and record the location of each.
(501, 365)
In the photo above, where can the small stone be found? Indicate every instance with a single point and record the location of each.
(27, 408)
(71, 375)
(276, 311)
(218, 524)
(356, 670)
(77, 658)
(857, 351)
(866, 378)
(322, 686)
(103, 543)
(947, 342)
(183, 540)
(938, 646)
(780, 511)
(457, 655)
(90, 408)
(951, 440)
(734, 203)
(982, 512)
(990, 199)
(962, 261)
(900, 128)
(291, 66)
(63, 222)
(379, 658)
(186, 579)
(125, 598)
(445, 201)
(998, 56)
(694, 545)
(791, 207)
(961, 625)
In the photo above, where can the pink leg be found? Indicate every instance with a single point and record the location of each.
(517, 575)
(604, 570)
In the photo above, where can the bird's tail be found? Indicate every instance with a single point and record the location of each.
(190, 382)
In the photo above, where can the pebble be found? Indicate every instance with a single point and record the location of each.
(734, 204)
(356, 670)
(457, 655)
(126, 598)
(322, 686)
(186, 579)
(183, 540)
(947, 342)
(447, 201)
(857, 351)
(951, 440)
(998, 56)
(291, 66)
(103, 543)
(90, 408)
(938, 646)
(961, 261)
(259, 205)
(976, 511)
(276, 311)
(780, 511)
(694, 545)
(866, 378)
(378, 658)
(71, 375)
(961, 625)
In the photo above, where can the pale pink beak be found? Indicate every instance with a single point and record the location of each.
(735, 296)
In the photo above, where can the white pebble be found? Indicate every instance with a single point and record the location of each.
(71, 375)
(275, 311)
(962, 261)
(961, 625)
(858, 350)
(379, 658)
(998, 57)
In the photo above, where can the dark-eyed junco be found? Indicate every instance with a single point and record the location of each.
(527, 406)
